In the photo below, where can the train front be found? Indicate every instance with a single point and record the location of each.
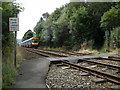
(35, 42)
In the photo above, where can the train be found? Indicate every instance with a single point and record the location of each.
(31, 43)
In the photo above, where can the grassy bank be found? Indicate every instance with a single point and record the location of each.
(9, 72)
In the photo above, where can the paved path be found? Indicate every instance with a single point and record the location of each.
(32, 74)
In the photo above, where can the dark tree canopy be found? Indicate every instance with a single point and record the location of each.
(111, 18)
(27, 35)
(73, 24)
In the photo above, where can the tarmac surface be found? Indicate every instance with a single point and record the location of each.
(32, 74)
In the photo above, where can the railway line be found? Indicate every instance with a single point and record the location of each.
(110, 59)
(46, 53)
(99, 63)
(108, 76)
(65, 52)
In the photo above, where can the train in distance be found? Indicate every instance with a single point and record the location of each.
(32, 43)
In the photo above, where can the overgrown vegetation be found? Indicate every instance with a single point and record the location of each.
(78, 24)
(111, 21)
(8, 70)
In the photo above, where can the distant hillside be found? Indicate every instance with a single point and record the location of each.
(19, 40)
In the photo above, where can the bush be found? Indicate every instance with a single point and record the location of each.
(115, 38)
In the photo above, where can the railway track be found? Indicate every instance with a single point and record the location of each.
(99, 63)
(111, 59)
(100, 74)
(52, 53)
(59, 55)
(46, 53)
(65, 52)
(107, 76)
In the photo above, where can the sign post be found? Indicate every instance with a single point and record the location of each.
(107, 39)
(14, 27)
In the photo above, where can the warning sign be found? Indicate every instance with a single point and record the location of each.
(13, 24)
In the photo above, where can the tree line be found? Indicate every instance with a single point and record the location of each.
(76, 23)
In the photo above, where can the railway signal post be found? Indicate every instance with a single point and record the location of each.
(14, 27)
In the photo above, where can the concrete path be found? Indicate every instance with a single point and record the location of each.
(32, 74)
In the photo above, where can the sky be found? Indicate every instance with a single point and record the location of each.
(33, 11)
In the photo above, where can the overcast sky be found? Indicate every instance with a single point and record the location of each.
(33, 11)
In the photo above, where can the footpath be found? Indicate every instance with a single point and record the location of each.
(32, 74)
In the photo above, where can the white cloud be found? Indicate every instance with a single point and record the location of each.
(33, 11)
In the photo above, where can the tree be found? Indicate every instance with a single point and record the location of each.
(78, 23)
(72, 24)
(60, 29)
(27, 35)
(95, 11)
(111, 18)
(111, 21)
(9, 10)
(45, 15)
(38, 28)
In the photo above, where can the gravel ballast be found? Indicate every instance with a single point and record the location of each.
(66, 77)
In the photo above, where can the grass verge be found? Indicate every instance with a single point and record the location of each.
(9, 73)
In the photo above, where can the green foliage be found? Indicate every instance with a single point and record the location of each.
(73, 24)
(111, 21)
(115, 37)
(60, 29)
(45, 15)
(27, 35)
(78, 24)
(38, 28)
(8, 74)
(8, 10)
(111, 18)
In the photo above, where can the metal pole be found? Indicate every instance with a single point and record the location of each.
(107, 44)
(15, 60)
(15, 49)
(107, 40)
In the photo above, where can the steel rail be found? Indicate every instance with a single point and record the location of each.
(41, 53)
(107, 76)
(113, 66)
(70, 53)
(50, 53)
(38, 53)
(107, 59)
(118, 57)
